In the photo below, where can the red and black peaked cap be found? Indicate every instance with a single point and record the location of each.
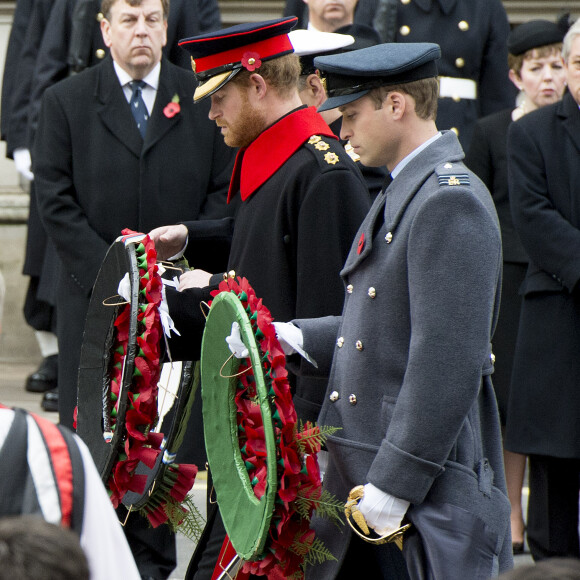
(216, 57)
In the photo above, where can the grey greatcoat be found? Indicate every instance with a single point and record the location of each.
(411, 358)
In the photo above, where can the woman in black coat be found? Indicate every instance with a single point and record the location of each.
(537, 70)
(543, 171)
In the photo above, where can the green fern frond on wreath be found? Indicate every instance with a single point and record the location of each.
(311, 436)
(317, 553)
(326, 506)
(192, 523)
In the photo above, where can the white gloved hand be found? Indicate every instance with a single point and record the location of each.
(289, 336)
(382, 511)
(23, 162)
(291, 340)
(236, 344)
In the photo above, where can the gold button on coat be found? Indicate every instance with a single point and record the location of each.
(405, 30)
(372, 292)
(100, 16)
(352, 399)
(389, 237)
(334, 396)
(492, 358)
(405, 1)
(455, 130)
(463, 26)
(340, 341)
(459, 62)
(100, 53)
(359, 345)
(349, 289)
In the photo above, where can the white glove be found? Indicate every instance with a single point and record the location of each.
(382, 511)
(291, 340)
(23, 162)
(236, 344)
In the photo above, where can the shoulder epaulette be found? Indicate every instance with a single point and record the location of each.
(452, 174)
(325, 150)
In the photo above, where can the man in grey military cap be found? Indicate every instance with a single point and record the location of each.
(410, 359)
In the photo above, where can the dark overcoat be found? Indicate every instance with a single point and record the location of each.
(12, 60)
(487, 158)
(410, 384)
(95, 176)
(543, 155)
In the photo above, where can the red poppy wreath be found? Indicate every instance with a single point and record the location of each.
(139, 470)
(264, 465)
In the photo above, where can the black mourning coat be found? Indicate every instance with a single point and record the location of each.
(543, 154)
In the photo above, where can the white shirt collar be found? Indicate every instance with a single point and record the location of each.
(400, 166)
(152, 79)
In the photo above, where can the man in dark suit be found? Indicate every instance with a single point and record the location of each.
(64, 37)
(543, 172)
(97, 172)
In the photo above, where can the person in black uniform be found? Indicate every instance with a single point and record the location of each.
(537, 69)
(472, 35)
(309, 44)
(302, 197)
(38, 310)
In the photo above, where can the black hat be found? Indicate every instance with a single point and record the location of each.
(533, 34)
(364, 36)
(216, 57)
(351, 75)
(311, 43)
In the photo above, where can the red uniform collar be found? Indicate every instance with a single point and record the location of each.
(256, 163)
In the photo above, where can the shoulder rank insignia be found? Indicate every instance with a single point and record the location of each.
(350, 152)
(322, 146)
(314, 139)
(457, 179)
(331, 158)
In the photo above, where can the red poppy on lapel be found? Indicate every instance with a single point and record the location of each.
(361, 243)
(172, 108)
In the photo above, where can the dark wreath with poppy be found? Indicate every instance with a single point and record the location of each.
(274, 457)
(137, 463)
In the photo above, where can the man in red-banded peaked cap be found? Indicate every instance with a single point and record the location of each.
(217, 57)
(301, 199)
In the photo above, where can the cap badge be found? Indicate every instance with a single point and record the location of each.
(251, 61)
(331, 158)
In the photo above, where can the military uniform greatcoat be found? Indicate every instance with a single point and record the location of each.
(410, 385)
(302, 201)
